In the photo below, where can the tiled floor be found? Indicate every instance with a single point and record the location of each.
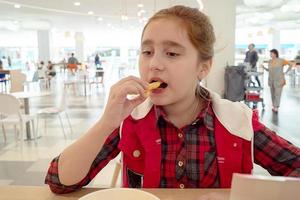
(28, 166)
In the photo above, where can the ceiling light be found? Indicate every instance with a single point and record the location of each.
(90, 12)
(124, 17)
(99, 18)
(271, 31)
(259, 33)
(76, 3)
(140, 5)
(17, 6)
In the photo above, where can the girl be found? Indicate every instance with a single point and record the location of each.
(182, 135)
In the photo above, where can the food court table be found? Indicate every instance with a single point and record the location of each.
(43, 193)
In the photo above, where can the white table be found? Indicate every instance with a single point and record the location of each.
(26, 96)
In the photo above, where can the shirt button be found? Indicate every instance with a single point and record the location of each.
(180, 163)
(180, 135)
(235, 144)
(181, 185)
(136, 153)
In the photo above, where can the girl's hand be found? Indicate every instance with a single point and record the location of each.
(119, 106)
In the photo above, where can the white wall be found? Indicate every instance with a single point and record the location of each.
(18, 39)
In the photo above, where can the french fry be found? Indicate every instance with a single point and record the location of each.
(152, 86)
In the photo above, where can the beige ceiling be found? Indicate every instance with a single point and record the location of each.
(62, 14)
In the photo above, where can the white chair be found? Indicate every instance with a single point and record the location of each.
(17, 81)
(58, 111)
(11, 115)
(97, 79)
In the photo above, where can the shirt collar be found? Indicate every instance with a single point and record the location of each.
(206, 114)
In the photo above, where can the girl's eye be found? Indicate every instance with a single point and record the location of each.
(172, 54)
(146, 52)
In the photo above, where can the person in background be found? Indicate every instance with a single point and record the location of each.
(42, 70)
(97, 61)
(4, 62)
(174, 133)
(297, 59)
(9, 61)
(50, 69)
(50, 73)
(252, 58)
(1, 64)
(72, 63)
(276, 78)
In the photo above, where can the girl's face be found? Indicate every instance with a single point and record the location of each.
(167, 55)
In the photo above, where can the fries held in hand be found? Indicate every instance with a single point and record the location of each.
(152, 86)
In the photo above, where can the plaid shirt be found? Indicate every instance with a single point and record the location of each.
(189, 155)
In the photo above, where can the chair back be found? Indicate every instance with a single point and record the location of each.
(17, 81)
(9, 104)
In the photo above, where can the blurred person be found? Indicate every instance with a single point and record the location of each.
(252, 58)
(72, 64)
(276, 79)
(97, 61)
(42, 70)
(9, 61)
(50, 73)
(4, 62)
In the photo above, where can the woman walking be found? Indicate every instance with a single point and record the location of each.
(276, 79)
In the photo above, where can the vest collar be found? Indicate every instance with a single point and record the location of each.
(236, 117)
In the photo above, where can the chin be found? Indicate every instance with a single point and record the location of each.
(160, 101)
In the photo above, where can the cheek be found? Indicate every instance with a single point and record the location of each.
(142, 70)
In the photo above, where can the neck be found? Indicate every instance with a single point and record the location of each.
(184, 112)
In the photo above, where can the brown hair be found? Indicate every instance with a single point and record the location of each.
(197, 24)
(275, 51)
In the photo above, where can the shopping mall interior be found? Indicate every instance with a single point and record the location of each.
(104, 37)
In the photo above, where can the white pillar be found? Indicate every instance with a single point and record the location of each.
(44, 38)
(79, 46)
(275, 40)
(222, 15)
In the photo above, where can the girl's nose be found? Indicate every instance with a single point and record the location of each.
(156, 63)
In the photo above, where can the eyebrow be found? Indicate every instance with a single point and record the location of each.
(167, 43)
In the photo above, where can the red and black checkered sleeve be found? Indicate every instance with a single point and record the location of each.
(108, 152)
(275, 154)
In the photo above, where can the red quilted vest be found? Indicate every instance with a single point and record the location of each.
(141, 146)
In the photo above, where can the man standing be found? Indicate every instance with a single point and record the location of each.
(97, 61)
(252, 58)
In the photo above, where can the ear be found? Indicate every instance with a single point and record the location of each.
(204, 69)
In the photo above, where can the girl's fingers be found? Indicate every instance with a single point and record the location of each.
(144, 84)
(130, 88)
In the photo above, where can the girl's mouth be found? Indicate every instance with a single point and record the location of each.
(162, 84)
